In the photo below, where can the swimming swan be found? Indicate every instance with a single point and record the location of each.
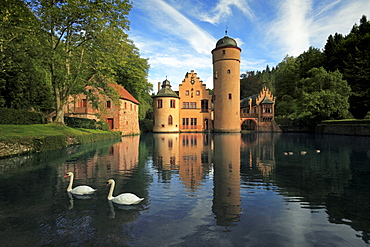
(124, 198)
(79, 190)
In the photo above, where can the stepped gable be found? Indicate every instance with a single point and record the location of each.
(265, 97)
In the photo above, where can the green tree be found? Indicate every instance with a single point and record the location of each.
(312, 58)
(133, 76)
(351, 56)
(250, 84)
(86, 40)
(287, 77)
(323, 95)
(23, 78)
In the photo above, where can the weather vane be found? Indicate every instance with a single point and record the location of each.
(226, 31)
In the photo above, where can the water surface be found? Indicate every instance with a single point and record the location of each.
(199, 189)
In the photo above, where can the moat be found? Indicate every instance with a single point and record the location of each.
(255, 189)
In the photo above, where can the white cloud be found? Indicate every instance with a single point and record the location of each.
(299, 25)
(174, 23)
(291, 30)
(223, 10)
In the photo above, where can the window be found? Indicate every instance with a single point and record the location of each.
(187, 92)
(84, 103)
(172, 103)
(266, 109)
(108, 104)
(204, 105)
(125, 105)
(230, 96)
(170, 119)
(228, 71)
(185, 123)
(193, 105)
(223, 52)
(198, 92)
(159, 103)
(193, 123)
(185, 105)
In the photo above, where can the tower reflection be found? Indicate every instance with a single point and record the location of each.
(226, 196)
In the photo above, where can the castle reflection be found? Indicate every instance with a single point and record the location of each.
(121, 157)
(188, 154)
(195, 155)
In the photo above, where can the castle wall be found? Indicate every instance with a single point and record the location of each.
(162, 115)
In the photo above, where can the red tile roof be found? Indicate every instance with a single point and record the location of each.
(124, 94)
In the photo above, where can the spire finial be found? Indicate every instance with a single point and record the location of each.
(226, 31)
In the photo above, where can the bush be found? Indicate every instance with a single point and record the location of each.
(102, 125)
(20, 117)
(84, 123)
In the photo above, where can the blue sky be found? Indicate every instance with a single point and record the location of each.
(177, 36)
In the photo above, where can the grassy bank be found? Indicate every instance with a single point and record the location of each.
(20, 139)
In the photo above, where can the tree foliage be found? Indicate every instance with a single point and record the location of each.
(350, 55)
(323, 95)
(133, 76)
(23, 77)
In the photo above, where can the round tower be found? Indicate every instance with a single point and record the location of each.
(226, 85)
(166, 109)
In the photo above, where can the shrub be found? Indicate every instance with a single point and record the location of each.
(102, 125)
(20, 117)
(75, 122)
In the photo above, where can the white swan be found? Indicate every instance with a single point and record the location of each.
(79, 190)
(124, 198)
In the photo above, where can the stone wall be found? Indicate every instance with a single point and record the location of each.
(344, 129)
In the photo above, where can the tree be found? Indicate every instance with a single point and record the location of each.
(323, 95)
(287, 77)
(23, 78)
(312, 58)
(249, 84)
(133, 76)
(351, 56)
(85, 42)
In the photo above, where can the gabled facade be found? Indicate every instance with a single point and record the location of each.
(257, 112)
(196, 105)
(123, 116)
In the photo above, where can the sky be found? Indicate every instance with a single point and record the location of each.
(177, 36)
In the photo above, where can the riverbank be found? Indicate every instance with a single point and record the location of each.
(23, 139)
(344, 127)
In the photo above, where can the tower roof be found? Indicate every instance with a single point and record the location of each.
(166, 90)
(226, 41)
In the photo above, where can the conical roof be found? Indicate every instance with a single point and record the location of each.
(166, 90)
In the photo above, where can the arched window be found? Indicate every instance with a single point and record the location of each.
(170, 120)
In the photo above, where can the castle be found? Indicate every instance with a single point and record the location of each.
(194, 109)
